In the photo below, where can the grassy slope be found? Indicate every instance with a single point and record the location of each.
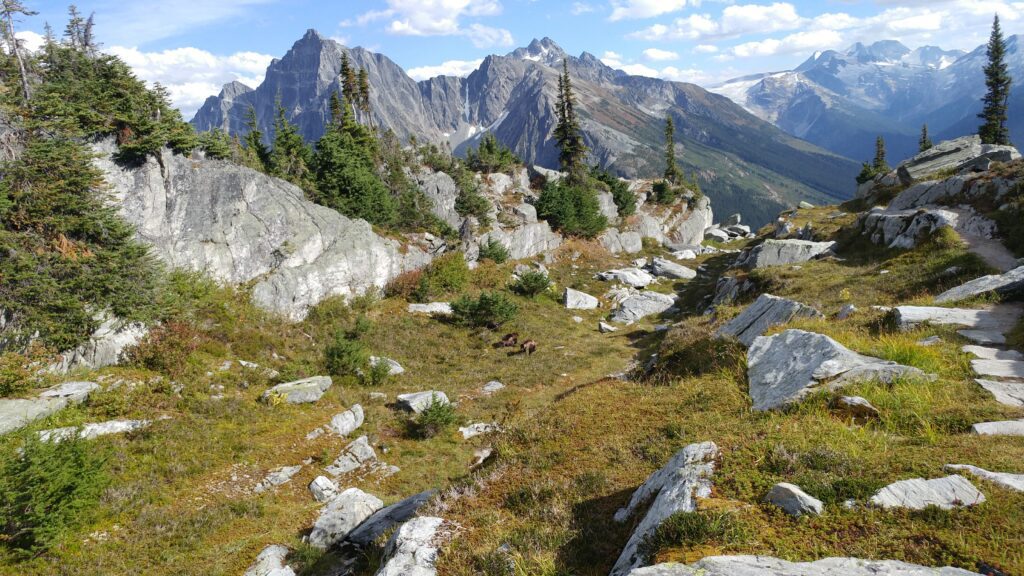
(578, 443)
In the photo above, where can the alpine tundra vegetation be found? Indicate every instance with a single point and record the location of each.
(312, 340)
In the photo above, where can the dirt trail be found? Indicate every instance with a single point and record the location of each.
(991, 250)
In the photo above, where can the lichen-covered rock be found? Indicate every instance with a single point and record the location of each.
(387, 518)
(341, 515)
(271, 562)
(768, 566)
(348, 421)
(413, 548)
(442, 191)
(618, 242)
(1011, 282)
(905, 228)
(323, 488)
(668, 269)
(674, 488)
(576, 300)
(638, 305)
(524, 241)
(105, 346)
(785, 367)
(417, 402)
(917, 494)
(767, 311)
(300, 391)
(632, 277)
(357, 453)
(239, 226)
(782, 252)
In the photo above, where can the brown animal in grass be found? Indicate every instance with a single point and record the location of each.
(509, 341)
(528, 347)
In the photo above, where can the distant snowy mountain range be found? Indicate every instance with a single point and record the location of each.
(842, 100)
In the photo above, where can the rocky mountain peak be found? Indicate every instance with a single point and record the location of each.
(883, 51)
(234, 89)
(546, 51)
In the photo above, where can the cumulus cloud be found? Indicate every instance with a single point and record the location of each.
(692, 75)
(29, 40)
(634, 9)
(799, 42)
(581, 8)
(192, 75)
(658, 55)
(705, 49)
(460, 68)
(440, 18)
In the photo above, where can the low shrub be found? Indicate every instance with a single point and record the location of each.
(494, 251)
(530, 283)
(167, 349)
(573, 210)
(702, 527)
(49, 491)
(433, 420)
(377, 375)
(345, 356)
(490, 309)
(19, 372)
(447, 274)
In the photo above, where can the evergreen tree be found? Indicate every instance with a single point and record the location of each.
(289, 156)
(254, 140)
(925, 142)
(567, 132)
(364, 91)
(8, 10)
(216, 144)
(879, 164)
(672, 173)
(997, 80)
(74, 31)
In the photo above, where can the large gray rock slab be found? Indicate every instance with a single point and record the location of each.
(767, 311)
(413, 549)
(93, 430)
(341, 515)
(632, 277)
(956, 154)
(323, 488)
(417, 402)
(767, 566)
(905, 229)
(300, 391)
(999, 318)
(785, 367)
(348, 421)
(794, 500)
(987, 353)
(668, 269)
(277, 477)
(782, 252)
(442, 191)
(271, 562)
(606, 204)
(674, 488)
(576, 300)
(639, 305)
(16, 413)
(241, 226)
(524, 241)
(998, 368)
(929, 193)
(618, 242)
(1004, 479)
(355, 455)
(1001, 428)
(387, 518)
(105, 347)
(917, 494)
(1008, 393)
(1010, 283)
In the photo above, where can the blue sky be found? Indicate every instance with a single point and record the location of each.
(194, 47)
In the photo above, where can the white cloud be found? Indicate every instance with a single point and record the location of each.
(794, 43)
(613, 59)
(191, 75)
(705, 49)
(692, 75)
(440, 18)
(634, 9)
(581, 8)
(658, 55)
(28, 40)
(460, 68)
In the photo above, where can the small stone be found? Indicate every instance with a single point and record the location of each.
(433, 308)
(632, 277)
(805, 205)
(478, 429)
(606, 328)
(794, 501)
(1004, 428)
(394, 368)
(856, 408)
(271, 562)
(413, 548)
(323, 488)
(577, 319)
(377, 396)
(846, 311)
(930, 341)
(300, 391)
(492, 387)
(352, 457)
(480, 457)
(72, 390)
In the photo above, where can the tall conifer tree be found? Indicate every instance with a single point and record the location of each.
(672, 173)
(567, 132)
(997, 79)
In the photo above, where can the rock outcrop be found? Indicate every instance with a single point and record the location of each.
(17, 413)
(387, 518)
(672, 489)
(633, 305)
(341, 515)
(917, 494)
(105, 346)
(300, 391)
(767, 311)
(953, 155)
(413, 548)
(794, 500)
(239, 226)
(1010, 283)
(785, 367)
(782, 252)
(576, 300)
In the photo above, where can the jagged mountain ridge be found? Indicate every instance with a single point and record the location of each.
(841, 100)
(746, 164)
